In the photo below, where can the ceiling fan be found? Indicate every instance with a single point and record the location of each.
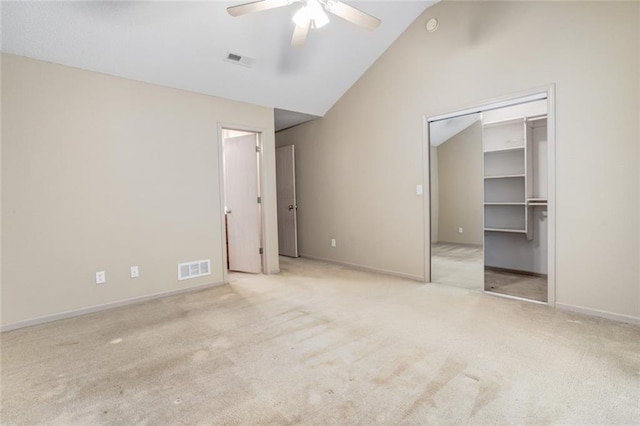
(312, 14)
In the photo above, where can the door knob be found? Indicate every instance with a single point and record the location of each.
(290, 206)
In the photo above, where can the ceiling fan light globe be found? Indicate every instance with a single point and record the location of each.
(320, 20)
(316, 12)
(301, 17)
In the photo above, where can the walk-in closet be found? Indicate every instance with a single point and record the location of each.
(515, 201)
(489, 190)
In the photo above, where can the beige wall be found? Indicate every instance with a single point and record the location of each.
(358, 166)
(460, 188)
(101, 173)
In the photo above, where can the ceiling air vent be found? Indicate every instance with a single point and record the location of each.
(195, 269)
(235, 58)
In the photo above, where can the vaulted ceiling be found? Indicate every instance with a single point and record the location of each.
(184, 45)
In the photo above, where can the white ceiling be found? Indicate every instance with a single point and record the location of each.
(183, 45)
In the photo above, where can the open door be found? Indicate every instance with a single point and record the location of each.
(242, 206)
(287, 207)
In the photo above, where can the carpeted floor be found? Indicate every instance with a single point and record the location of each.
(322, 344)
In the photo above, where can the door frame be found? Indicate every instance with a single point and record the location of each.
(499, 102)
(261, 189)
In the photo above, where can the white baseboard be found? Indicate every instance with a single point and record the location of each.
(103, 307)
(596, 313)
(366, 268)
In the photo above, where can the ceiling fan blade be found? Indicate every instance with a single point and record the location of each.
(353, 15)
(300, 34)
(256, 6)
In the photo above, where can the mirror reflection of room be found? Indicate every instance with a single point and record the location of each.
(515, 200)
(457, 201)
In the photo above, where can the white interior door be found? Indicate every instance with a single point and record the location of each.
(241, 203)
(287, 207)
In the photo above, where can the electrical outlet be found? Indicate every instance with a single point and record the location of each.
(134, 272)
(333, 242)
(460, 230)
(101, 277)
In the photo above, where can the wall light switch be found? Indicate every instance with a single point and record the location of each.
(101, 277)
(419, 190)
(134, 272)
(333, 242)
(460, 230)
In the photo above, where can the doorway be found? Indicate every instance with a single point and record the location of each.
(515, 203)
(241, 164)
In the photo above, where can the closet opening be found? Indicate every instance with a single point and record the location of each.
(491, 200)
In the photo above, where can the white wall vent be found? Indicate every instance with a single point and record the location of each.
(236, 58)
(194, 269)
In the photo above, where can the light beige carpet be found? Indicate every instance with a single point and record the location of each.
(321, 344)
